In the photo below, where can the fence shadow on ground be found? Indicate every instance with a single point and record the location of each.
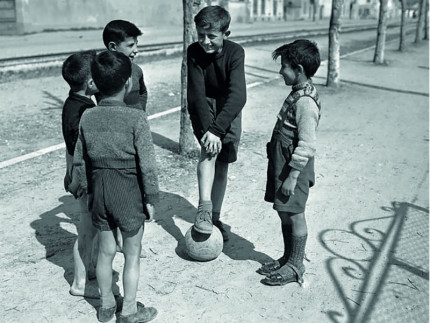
(378, 255)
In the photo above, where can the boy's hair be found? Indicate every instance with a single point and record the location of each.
(300, 52)
(213, 18)
(76, 69)
(118, 30)
(110, 71)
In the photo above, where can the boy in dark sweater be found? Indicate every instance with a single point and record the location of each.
(291, 152)
(115, 160)
(216, 94)
(76, 72)
(121, 36)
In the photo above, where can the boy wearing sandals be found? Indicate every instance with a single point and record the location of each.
(115, 159)
(291, 152)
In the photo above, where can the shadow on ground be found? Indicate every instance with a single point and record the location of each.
(175, 206)
(58, 242)
(379, 264)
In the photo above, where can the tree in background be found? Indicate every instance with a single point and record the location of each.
(187, 141)
(426, 21)
(402, 25)
(334, 45)
(421, 19)
(382, 32)
(314, 5)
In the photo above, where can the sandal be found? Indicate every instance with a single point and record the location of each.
(269, 267)
(287, 274)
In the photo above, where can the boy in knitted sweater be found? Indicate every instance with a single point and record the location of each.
(291, 153)
(115, 160)
(216, 94)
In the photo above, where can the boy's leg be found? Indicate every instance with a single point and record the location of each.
(82, 253)
(293, 270)
(132, 243)
(286, 227)
(217, 195)
(107, 250)
(205, 178)
(131, 310)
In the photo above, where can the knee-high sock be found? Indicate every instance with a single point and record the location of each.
(287, 236)
(297, 250)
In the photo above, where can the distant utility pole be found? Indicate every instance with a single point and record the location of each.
(333, 70)
(187, 141)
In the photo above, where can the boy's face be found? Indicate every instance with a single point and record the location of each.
(211, 40)
(128, 47)
(289, 74)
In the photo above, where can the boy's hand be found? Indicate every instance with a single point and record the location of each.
(67, 181)
(75, 186)
(211, 142)
(151, 211)
(290, 183)
(76, 189)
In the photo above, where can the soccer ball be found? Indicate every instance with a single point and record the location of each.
(203, 247)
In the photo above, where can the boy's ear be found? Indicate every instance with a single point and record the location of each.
(300, 69)
(128, 85)
(112, 46)
(227, 33)
(91, 86)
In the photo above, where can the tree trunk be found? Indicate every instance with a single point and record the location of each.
(382, 32)
(315, 8)
(187, 141)
(426, 21)
(420, 23)
(224, 4)
(334, 45)
(402, 26)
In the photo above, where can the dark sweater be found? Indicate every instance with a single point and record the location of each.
(219, 76)
(73, 108)
(112, 135)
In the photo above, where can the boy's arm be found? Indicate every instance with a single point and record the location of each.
(146, 159)
(307, 116)
(307, 122)
(236, 99)
(143, 92)
(79, 177)
(198, 107)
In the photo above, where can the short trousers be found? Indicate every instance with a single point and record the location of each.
(228, 153)
(279, 151)
(116, 199)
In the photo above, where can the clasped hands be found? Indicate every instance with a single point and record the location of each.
(211, 143)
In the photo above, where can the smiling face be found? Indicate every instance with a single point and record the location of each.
(128, 47)
(210, 40)
(290, 75)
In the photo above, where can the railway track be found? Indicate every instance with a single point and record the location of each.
(166, 49)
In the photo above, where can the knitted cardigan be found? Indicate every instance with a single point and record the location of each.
(301, 113)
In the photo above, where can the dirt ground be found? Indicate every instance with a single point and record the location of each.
(367, 215)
